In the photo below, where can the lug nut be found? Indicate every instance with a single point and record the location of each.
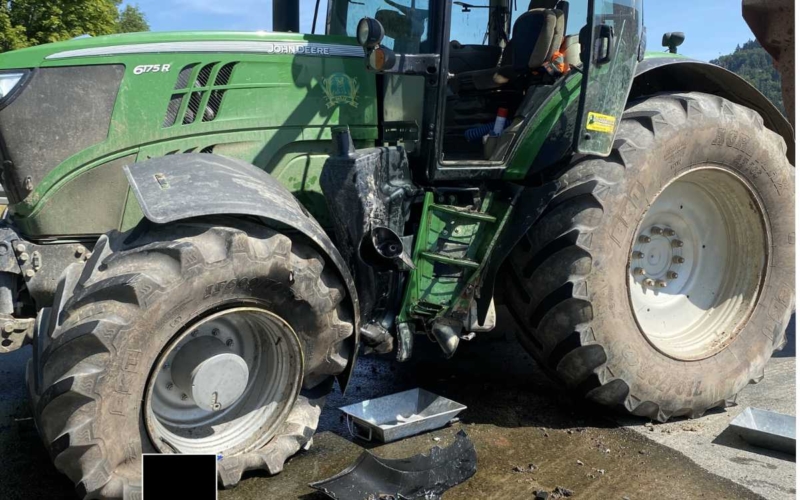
(677, 243)
(215, 332)
(8, 327)
(672, 275)
(169, 386)
(644, 239)
(649, 282)
(29, 273)
(678, 259)
(669, 232)
(638, 255)
(23, 257)
(229, 342)
(19, 248)
(662, 284)
(639, 271)
(184, 397)
(656, 230)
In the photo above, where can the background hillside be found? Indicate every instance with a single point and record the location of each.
(752, 63)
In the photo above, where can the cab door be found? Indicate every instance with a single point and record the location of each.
(609, 54)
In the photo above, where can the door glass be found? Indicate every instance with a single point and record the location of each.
(612, 58)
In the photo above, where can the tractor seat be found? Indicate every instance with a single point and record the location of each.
(536, 35)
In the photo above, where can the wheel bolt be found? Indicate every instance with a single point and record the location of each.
(644, 239)
(229, 342)
(638, 271)
(23, 257)
(678, 259)
(669, 232)
(662, 284)
(672, 275)
(19, 247)
(677, 243)
(184, 397)
(638, 255)
(656, 230)
(215, 332)
(649, 282)
(169, 386)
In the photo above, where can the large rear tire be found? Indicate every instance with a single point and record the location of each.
(109, 377)
(660, 279)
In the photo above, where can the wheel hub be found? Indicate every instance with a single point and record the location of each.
(657, 257)
(210, 373)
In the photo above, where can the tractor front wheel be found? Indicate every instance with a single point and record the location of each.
(217, 336)
(660, 279)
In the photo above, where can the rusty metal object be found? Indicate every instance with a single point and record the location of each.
(772, 22)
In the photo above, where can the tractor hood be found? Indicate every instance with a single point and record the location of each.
(91, 50)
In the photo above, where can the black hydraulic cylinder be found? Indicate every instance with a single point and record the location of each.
(286, 15)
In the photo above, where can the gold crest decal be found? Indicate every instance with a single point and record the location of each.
(340, 89)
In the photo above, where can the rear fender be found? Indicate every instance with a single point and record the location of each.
(665, 74)
(177, 187)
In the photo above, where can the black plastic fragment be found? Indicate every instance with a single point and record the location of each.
(420, 476)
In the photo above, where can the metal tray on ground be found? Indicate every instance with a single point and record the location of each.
(400, 415)
(767, 429)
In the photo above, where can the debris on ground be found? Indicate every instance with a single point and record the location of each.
(556, 494)
(417, 477)
(529, 468)
(580, 462)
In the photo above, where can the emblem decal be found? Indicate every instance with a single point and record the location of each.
(340, 89)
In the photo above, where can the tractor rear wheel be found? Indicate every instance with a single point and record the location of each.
(661, 279)
(214, 336)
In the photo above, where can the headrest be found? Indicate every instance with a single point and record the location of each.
(542, 4)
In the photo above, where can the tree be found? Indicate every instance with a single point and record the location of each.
(754, 64)
(24, 23)
(132, 20)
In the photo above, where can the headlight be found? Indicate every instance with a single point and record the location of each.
(8, 81)
(369, 32)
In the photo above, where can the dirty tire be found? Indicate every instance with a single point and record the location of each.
(569, 275)
(111, 318)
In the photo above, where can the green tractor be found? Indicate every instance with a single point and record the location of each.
(204, 229)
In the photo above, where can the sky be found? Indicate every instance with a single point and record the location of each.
(712, 27)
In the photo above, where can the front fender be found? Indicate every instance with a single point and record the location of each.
(665, 73)
(176, 187)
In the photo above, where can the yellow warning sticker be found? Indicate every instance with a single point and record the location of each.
(601, 123)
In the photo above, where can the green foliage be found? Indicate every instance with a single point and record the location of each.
(24, 23)
(132, 20)
(754, 64)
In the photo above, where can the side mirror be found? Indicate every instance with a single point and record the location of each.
(369, 33)
(672, 40)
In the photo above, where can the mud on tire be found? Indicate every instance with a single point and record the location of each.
(111, 318)
(569, 276)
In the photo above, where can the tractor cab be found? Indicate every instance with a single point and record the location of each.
(446, 70)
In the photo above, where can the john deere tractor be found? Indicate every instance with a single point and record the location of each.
(204, 229)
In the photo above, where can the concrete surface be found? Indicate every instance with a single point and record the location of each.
(515, 417)
(710, 444)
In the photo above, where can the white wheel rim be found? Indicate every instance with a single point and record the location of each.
(271, 350)
(697, 263)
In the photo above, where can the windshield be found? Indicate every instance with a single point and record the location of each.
(404, 21)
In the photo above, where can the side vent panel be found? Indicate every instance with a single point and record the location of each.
(172, 109)
(201, 97)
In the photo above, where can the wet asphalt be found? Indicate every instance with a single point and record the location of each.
(515, 417)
